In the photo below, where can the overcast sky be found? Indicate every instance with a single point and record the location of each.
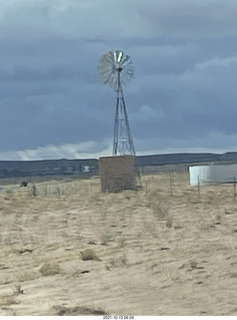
(183, 97)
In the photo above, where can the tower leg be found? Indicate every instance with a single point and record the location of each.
(116, 132)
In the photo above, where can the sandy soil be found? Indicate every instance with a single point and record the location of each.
(164, 250)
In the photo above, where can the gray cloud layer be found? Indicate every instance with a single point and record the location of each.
(183, 97)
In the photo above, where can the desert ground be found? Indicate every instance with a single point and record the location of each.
(168, 249)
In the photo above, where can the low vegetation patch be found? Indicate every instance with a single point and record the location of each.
(76, 311)
(50, 268)
(89, 254)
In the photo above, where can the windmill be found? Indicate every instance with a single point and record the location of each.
(119, 172)
(116, 70)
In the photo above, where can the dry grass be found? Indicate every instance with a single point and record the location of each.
(165, 250)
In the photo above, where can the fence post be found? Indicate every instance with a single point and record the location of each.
(171, 183)
(34, 190)
(199, 193)
(235, 188)
(146, 186)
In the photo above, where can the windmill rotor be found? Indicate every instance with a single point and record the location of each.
(113, 63)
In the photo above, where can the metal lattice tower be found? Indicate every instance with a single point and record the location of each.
(123, 142)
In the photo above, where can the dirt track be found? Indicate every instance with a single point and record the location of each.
(165, 250)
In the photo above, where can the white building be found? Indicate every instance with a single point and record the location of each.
(214, 173)
(86, 169)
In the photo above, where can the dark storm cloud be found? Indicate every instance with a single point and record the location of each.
(183, 95)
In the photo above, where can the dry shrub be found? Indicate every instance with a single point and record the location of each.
(76, 311)
(105, 238)
(50, 268)
(9, 191)
(7, 300)
(27, 275)
(169, 223)
(18, 289)
(128, 194)
(89, 254)
(121, 242)
(160, 210)
(117, 262)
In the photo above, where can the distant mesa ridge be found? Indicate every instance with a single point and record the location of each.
(42, 168)
(90, 167)
(177, 158)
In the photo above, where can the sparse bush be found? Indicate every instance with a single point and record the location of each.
(128, 194)
(89, 254)
(160, 210)
(121, 243)
(76, 311)
(117, 262)
(169, 223)
(105, 238)
(18, 289)
(7, 300)
(50, 268)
